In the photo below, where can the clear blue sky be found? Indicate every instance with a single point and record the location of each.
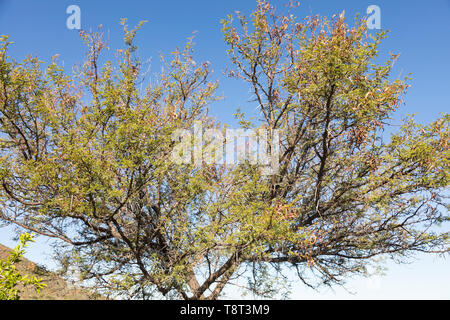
(419, 31)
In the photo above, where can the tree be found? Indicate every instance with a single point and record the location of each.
(89, 163)
(10, 277)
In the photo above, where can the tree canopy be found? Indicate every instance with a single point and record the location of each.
(87, 159)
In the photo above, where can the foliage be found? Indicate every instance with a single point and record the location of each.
(86, 159)
(11, 278)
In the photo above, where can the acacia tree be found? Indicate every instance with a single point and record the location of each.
(340, 185)
(87, 159)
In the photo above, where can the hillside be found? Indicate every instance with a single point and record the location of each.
(57, 288)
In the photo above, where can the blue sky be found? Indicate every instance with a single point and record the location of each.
(419, 31)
